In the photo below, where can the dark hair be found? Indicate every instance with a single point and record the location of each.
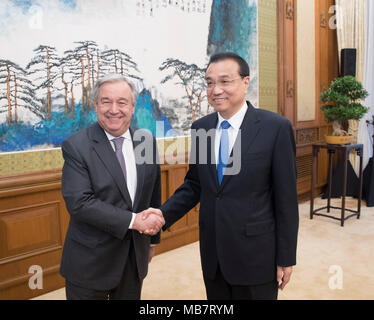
(243, 65)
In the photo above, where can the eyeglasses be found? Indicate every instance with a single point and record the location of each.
(226, 83)
(108, 104)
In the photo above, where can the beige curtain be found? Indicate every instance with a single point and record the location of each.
(351, 30)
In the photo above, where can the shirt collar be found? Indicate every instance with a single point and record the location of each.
(126, 135)
(236, 120)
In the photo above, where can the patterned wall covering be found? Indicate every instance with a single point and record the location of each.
(16, 163)
(22, 162)
(267, 47)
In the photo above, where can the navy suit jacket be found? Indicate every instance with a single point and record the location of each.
(249, 223)
(98, 239)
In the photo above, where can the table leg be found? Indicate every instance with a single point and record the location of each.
(345, 159)
(314, 172)
(329, 182)
(360, 153)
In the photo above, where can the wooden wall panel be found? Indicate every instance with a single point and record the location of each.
(328, 64)
(40, 223)
(186, 230)
(34, 221)
(306, 132)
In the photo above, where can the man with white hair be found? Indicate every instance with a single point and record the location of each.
(104, 184)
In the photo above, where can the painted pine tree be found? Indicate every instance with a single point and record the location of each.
(43, 71)
(17, 91)
(191, 78)
(114, 60)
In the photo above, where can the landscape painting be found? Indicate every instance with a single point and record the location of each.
(54, 51)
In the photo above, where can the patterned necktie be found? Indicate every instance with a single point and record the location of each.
(223, 154)
(118, 142)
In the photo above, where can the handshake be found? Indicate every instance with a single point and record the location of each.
(149, 221)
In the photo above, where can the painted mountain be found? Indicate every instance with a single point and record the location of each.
(48, 69)
(51, 132)
(233, 27)
(52, 97)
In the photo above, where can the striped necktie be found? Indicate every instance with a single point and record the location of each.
(118, 142)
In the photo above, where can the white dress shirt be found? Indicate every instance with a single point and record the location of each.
(128, 153)
(235, 123)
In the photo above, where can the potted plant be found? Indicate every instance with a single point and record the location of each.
(342, 103)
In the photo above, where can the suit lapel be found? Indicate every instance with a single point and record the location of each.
(249, 130)
(107, 155)
(140, 170)
(212, 124)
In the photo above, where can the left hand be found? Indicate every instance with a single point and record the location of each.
(151, 254)
(283, 276)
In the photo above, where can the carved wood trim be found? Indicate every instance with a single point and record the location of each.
(323, 20)
(307, 136)
(289, 10)
(290, 89)
(286, 17)
(25, 278)
(27, 183)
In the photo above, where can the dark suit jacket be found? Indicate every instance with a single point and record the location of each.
(249, 224)
(96, 196)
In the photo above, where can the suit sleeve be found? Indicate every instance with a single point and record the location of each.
(187, 195)
(80, 199)
(284, 177)
(156, 195)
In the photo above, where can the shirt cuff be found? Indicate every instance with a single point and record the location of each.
(132, 220)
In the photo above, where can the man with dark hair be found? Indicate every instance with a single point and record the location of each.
(243, 65)
(104, 184)
(248, 206)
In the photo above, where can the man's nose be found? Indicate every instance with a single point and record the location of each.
(217, 90)
(114, 108)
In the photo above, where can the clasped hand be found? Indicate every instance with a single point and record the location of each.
(149, 221)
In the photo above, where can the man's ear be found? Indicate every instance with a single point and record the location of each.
(133, 109)
(247, 81)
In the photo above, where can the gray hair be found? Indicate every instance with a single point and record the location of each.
(112, 78)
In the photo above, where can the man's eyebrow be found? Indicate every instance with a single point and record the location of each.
(220, 77)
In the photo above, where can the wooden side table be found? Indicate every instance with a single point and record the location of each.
(344, 150)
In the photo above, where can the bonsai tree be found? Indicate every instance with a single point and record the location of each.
(343, 103)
